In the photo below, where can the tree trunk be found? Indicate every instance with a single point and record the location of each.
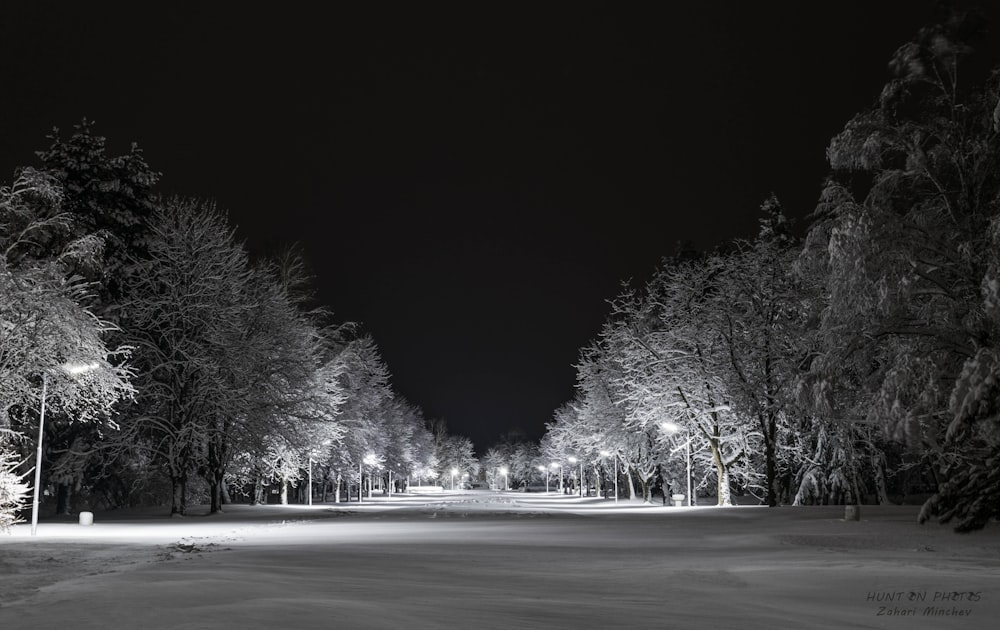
(724, 495)
(337, 489)
(881, 486)
(722, 473)
(786, 490)
(257, 493)
(64, 495)
(216, 469)
(631, 484)
(226, 499)
(215, 486)
(284, 490)
(178, 485)
(770, 460)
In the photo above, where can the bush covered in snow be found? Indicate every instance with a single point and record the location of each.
(13, 491)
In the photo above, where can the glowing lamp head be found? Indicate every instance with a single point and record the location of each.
(80, 368)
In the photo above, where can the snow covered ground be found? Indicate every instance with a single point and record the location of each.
(488, 560)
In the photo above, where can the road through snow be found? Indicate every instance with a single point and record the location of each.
(487, 560)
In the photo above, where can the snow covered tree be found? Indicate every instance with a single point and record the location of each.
(181, 301)
(271, 365)
(570, 435)
(105, 198)
(760, 316)
(453, 452)
(366, 385)
(904, 233)
(515, 453)
(600, 411)
(410, 444)
(13, 490)
(673, 365)
(45, 322)
(107, 195)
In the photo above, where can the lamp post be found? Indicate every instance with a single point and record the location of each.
(311, 460)
(557, 465)
(69, 368)
(505, 472)
(671, 427)
(371, 460)
(546, 471)
(605, 454)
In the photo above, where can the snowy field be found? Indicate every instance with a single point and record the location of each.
(488, 560)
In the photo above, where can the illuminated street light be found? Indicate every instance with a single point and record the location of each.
(557, 465)
(324, 443)
(546, 471)
(605, 454)
(72, 369)
(671, 427)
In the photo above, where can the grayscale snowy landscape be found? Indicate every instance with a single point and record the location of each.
(500, 560)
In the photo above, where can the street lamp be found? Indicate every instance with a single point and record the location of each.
(505, 472)
(324, 443)
(555, 465)
(454, 471)
(310, 480)
(605, 454)
(371, 460)
(72, 369)
(671, 427)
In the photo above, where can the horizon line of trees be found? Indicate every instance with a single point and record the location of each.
(210, 374)
(859, 362)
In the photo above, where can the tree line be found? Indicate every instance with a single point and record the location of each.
(856, 363)
(208, 373)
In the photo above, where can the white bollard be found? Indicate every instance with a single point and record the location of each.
(86, 518)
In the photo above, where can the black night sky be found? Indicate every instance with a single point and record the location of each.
(470, 181)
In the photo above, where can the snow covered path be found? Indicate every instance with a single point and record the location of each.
(481, 560)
